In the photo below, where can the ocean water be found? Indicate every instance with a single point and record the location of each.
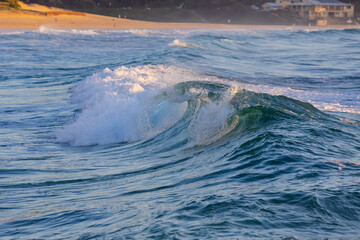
(180, 134)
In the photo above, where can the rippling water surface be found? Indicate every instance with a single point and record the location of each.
(180, 134)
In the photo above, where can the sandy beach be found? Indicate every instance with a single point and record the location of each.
(33, 16)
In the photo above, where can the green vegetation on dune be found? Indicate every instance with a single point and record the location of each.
(9, 5)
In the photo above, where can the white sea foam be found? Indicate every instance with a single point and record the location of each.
(47, 30)
(335, 107)
(125, 105)
(178, 43)
(323, 100)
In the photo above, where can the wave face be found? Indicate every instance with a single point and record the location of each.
(180, 134)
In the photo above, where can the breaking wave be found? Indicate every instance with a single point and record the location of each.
(131, 104)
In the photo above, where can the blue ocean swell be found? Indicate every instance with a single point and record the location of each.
(286, 169)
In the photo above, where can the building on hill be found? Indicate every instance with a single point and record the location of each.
(317, 10)
(314, 9)
(285, 3)
(271, 6)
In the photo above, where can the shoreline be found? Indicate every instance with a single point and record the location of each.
(33, 16)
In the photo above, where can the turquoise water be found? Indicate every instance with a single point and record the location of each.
(180, 134)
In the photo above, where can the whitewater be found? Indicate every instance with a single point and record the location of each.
(180, 134)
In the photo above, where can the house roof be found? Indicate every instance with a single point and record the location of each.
(301, 4)
(272, 4)
(328, 2)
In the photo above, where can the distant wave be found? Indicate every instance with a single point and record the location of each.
(47, 30)
(325, 30)
(178, 43)
(233, 41)
(144, 32)
(11, 32)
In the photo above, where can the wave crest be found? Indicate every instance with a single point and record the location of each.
(126, 105)
(135, 103)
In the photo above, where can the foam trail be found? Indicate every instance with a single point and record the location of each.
(233, 41)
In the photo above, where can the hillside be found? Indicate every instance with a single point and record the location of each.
(208, 11)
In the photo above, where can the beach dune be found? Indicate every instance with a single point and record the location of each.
(32, 16)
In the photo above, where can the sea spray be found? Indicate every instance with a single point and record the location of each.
(131, 104)
(124, 105)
